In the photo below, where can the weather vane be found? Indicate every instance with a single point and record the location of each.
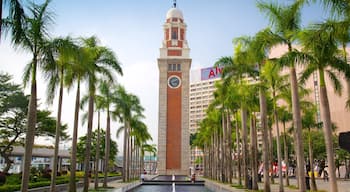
(174, 3)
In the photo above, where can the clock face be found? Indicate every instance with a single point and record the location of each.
(174, 81)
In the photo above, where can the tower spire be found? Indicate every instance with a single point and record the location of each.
(174, 4)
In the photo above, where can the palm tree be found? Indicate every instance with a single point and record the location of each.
(76, 73)
(15, 20)
(257, 49)
(64, 49)
(275, 82)
(32, 36)
(285, 21)
(221, 102)
(284, 117)
(235, 70)
(141, 136)
(150, 148)
(99, 103)
(102, 60)
(97, 155)
(107, 90)
(309, 122)
(203, 141)
(321, 55)
(126, 105)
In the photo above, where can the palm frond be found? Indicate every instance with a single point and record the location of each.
(335, 82)
(307, 72)
(27, 74)
(272, 11)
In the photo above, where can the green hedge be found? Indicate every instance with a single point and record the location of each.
(11, 188)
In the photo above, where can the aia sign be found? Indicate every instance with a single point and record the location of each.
(211, 73)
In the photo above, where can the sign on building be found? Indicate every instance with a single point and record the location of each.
(211, 73)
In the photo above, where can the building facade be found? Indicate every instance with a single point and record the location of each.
(42, 158)
(174, 65)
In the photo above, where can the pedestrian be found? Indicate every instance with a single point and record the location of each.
(325, 173)
(142, 177)
(193, 178)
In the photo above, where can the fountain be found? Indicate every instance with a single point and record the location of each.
(171, 183)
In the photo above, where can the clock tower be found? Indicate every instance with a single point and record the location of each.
(174, 65)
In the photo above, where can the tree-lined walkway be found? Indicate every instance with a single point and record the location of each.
(343, 185)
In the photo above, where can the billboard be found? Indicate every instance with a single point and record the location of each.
(211, 73)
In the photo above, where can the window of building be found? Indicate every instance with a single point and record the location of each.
(169, 67)
(174, 67)
(174, 34)
(178, 67)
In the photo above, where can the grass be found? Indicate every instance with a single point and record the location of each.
(237, 186)
(292, 187)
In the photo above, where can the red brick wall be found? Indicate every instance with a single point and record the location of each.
(173, 136)
(174, 52)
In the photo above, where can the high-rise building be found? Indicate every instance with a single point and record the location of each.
(174, 65)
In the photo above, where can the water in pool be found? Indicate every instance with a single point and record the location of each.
(169, 188)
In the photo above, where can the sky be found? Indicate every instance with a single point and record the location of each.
(133, 29)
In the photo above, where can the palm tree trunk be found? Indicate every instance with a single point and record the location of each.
(298, 129)
(88, 143)
(129, 162)
(279, 153)
(30, 131)
(97, 155)
(57, 136)
(271, 156)
(238, 153)
(311, 157)
(215, 157)
(245, 146)
(223, 148)
(286, 159)
(107, 148)
(254, 154)
(72, 183)
(125, 150)
(229, 156)
(263, 119)
(327, 128)
(211, 159)
(295, 158)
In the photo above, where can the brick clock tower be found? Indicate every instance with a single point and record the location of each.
(174, 65)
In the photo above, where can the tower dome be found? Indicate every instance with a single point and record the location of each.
(174, 13)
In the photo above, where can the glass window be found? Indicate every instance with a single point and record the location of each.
(174, 35)
(178, 67)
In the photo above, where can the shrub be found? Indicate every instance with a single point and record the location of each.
(79, 174)
(10, 188)
(64, 172)
(46, 174)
